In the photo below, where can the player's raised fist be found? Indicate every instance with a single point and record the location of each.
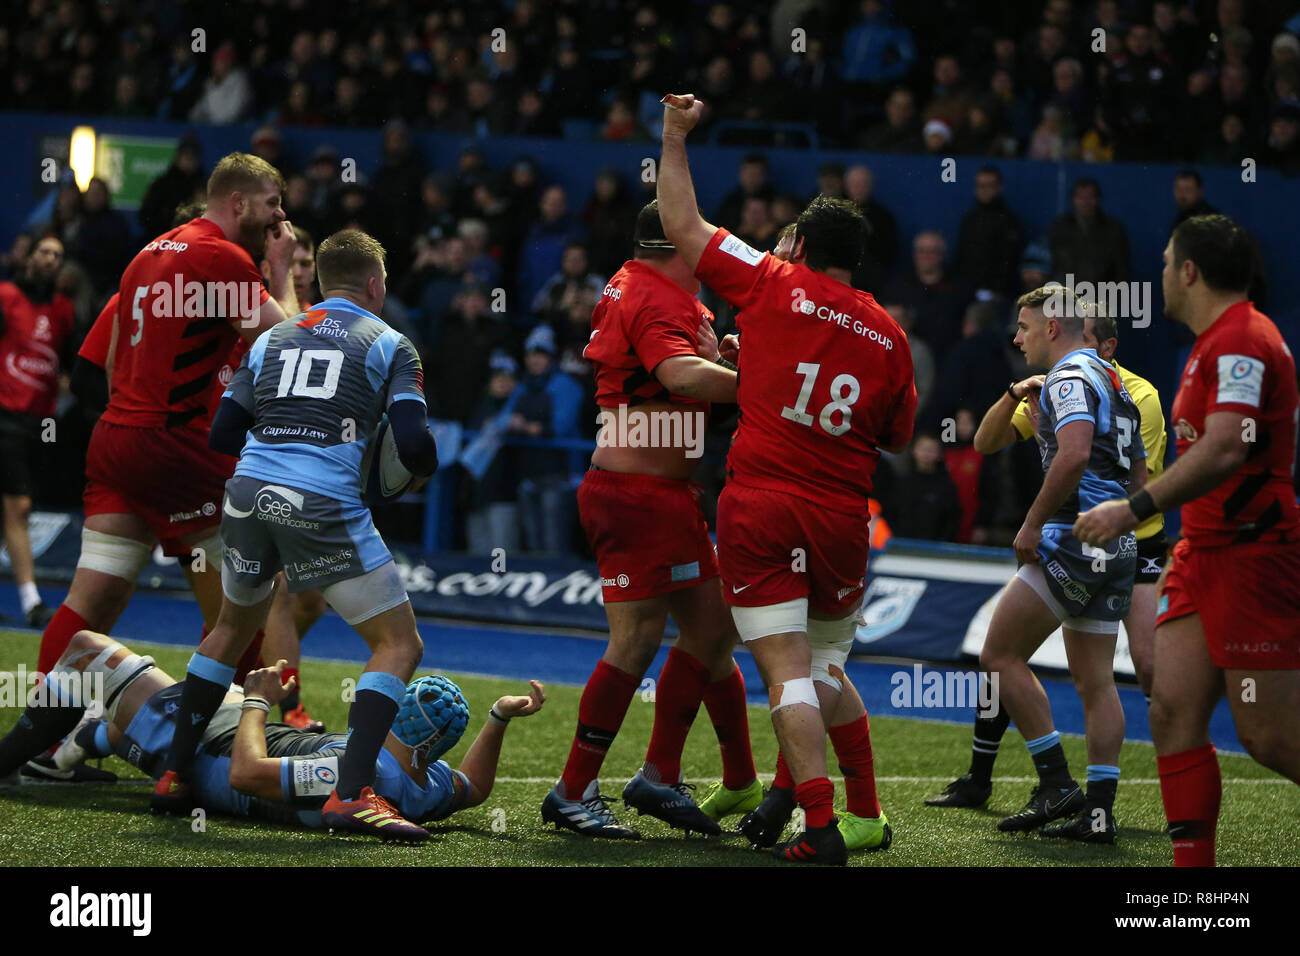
(681, 112)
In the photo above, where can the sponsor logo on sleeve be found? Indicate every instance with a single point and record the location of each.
(1241, 380)
(738, 249)
(1068, 398)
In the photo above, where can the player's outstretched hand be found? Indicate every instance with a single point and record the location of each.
(681, 112)
(706, 342)
(1103, 524)
(729, 348)
(268, 683)
(523, 706)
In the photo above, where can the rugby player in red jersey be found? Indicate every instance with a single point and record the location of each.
(863, 824)
(1229, 613)
(184, 300)
(826, 384)
(643, 520)
(35, 326)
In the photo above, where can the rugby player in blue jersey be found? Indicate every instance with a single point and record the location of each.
(1089, 434)
(244, 765)
(299, 413)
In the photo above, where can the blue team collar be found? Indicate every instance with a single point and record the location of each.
(343, 305)
(1066, 357)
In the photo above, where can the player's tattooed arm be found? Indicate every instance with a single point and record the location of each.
(678, 211)
(252, 772)
(480, 763)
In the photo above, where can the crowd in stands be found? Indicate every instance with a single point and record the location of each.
(1207, 81)
(494, 272)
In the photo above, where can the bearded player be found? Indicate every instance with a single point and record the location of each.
(863, 824)
(1229, 610)
(1000, 428)
(827, 384)
(643, 520)
(184, 300)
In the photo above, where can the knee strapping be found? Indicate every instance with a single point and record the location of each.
(800, 690)
(117, 679)
(830, 643)
(753, 623)
(112, 554)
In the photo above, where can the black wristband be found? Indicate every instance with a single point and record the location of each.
(1142, 504)
(729, 366)
(1011, 390)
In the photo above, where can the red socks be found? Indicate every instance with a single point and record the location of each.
(852, 743)
(677, 700)
(815, 796)
(784, 778)
(1191, 789)
(58, 635)
(604, 704)
(729, 712)
(251, 659)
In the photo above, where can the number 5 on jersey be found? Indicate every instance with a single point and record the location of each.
(302, 361)
(844, 392)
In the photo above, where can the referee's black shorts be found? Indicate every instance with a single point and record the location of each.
(1151, 558)
(18, 436)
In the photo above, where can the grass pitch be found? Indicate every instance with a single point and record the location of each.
(50, 825)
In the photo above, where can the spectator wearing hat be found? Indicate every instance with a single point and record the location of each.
(183, 181)
(227, 93)
(936, 135)
(492, 517)
(545, 404)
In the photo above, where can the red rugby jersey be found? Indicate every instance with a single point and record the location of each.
(642, 318)
(1240, 364)
(825, 377)
(182, 299)
(33, 337)
(94, 348)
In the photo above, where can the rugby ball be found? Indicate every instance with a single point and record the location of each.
(386, 478)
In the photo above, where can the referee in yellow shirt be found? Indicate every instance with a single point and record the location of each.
(1015, 416)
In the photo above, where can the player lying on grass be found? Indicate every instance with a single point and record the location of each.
(244, 765)
(1003, 423)
(299, 412)
(863, 824)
